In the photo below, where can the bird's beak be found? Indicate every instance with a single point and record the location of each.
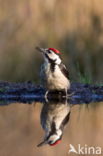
(42, 143)
(41, 49)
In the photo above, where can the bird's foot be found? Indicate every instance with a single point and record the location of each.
(70, 95)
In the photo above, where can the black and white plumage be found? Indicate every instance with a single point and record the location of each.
(54, 74)
(54, 117)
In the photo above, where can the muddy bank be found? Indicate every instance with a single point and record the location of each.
(27, 92)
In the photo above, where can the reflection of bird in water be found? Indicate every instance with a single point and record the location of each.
(54, 117)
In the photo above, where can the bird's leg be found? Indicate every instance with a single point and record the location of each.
(66, 93)
(46, 96)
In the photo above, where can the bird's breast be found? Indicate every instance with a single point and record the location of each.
(56, 79)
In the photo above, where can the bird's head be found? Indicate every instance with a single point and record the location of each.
(52, 139)
(51, 55)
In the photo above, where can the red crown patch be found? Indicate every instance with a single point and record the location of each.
(55, 50)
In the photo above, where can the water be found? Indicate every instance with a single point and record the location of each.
(20, 122)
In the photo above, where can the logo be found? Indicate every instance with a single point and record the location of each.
(85, 150)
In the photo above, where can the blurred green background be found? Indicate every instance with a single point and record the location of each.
(73, 27)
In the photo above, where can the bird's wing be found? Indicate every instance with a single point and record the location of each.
(65, 121)
(64, 70)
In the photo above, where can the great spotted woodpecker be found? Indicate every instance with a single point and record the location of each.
(54, 74)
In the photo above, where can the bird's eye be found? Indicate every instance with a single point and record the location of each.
(50, 142)
(49, 51)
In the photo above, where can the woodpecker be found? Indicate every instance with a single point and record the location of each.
(54, 73)
(54, 117)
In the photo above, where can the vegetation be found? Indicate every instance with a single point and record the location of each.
(73, 27)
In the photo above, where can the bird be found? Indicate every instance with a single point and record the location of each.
(54, 74)
(54, 117)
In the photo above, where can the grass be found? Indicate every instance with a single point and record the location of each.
(83, 76)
